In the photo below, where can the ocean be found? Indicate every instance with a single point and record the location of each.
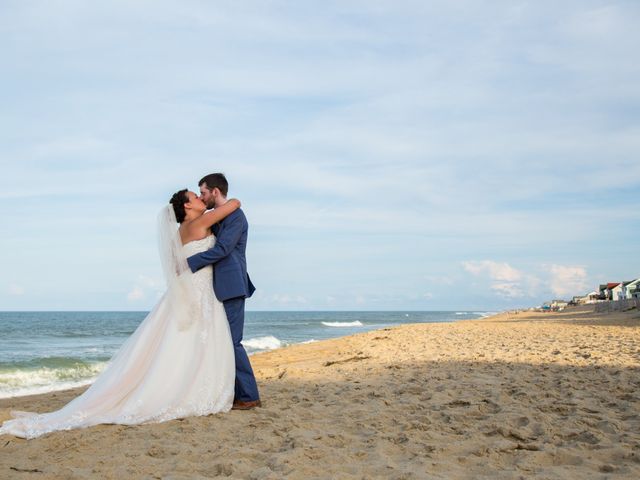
(47, 351)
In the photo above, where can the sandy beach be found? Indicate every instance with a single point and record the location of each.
(527, 395)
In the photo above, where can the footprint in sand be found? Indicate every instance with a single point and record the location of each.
(583, 437)
(489, 406)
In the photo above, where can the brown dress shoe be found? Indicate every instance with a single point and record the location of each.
(240, 405)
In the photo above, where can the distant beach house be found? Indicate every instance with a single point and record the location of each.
(614, 296)
(632, 289)
(555, 305)
(591, 297)
(615, 291)
(606, 290)
(619, 292)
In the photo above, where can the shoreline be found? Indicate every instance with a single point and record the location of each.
(265, 341)
(508, 315)
(537, 395)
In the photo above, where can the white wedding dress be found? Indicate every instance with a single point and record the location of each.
(162, 372)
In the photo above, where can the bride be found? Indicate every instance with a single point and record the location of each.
(179, 362)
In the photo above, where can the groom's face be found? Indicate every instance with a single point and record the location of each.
(207, 196)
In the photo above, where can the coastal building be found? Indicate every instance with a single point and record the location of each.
(602, 291)
(591, 297)
(618, 292)
(612, 291)
(558, 304)
(632, 289)
(605, 290)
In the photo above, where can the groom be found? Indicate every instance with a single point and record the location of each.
(231, 282)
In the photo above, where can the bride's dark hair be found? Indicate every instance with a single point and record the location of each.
(178, 200)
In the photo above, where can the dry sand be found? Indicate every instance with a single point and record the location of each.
(531, 395)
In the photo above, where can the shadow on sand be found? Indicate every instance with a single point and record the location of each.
(421, 420)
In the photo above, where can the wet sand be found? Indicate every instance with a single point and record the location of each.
(528, 395)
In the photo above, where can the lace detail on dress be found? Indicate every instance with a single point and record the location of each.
(203, 278)
(160, 373)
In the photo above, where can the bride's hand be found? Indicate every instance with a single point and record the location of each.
(214, 216)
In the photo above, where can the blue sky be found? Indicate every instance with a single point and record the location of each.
(389, 154)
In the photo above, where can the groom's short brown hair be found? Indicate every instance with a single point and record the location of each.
(215, 180)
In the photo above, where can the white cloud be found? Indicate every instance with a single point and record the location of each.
(286, 300)
(146, 287)
(495, 271)
(504, 280)
(508, 290)
(509, 282)
(136, 294)
(16, 290)
(567, 281)
(150, 282)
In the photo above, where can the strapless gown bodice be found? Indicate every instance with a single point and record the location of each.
(202, 279)
(197, 246)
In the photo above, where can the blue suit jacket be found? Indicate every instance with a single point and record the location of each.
(230, 278)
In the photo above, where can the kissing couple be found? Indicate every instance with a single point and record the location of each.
(186, 357)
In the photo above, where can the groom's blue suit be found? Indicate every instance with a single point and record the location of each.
(232, 285)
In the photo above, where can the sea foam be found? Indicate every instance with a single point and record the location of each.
(268, 342)
(18, 382)
(357, 323)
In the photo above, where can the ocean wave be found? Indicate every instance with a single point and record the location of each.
(39, 389)
(268, 342)
(52, 363)
(462, 313)
(52, 374)
(357, 323)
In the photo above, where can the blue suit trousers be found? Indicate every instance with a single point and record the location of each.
(246, 387)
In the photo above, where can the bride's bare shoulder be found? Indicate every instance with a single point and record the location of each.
(192, 231)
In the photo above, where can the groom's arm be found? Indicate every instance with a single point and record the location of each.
(225, 243)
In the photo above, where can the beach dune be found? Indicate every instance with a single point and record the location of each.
(528, 395)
